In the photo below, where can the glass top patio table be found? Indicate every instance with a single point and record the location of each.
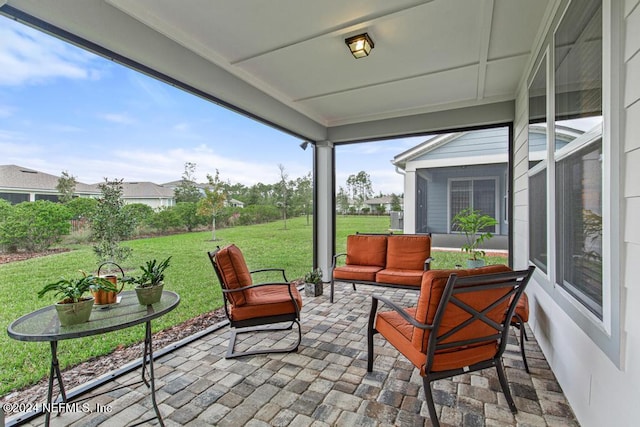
(43, 324)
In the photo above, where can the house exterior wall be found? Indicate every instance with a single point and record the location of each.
(601, 389)
(437, 202)
(474, 143)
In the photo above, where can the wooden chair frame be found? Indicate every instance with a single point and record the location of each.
(259, 323)
(515, 280)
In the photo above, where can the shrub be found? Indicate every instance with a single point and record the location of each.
(166, 219)
(139, 212)
(258, 214)
(82, 207)
(35, 226)
(187, 212)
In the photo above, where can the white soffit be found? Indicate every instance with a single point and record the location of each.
(294, 50)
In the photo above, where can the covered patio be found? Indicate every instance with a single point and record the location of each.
(437, 66)
(326, 381)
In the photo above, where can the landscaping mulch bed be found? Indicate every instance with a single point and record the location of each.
(21, 256)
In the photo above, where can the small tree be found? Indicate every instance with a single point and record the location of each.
(187, 190)
(214, 198)
(475, 226)
(395, 203)
(110, 223)
(66, 187)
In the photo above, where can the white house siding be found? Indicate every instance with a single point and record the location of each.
(600, 392)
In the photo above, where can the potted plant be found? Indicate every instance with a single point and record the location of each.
(74, 307)
(474, 224)
(150, 282)
(313, 283)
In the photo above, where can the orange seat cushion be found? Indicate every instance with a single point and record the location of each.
(398, 332)
(396, 276)
(234, 272)
(408, 252)
(522, 308)
(356, 272)
(366, 250)
(263, 301)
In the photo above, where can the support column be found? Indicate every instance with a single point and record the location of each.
(324, 207)
(409, 205)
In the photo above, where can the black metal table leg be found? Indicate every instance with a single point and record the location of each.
(54, 370)
(152, 380)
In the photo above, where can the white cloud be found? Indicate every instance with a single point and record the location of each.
(30, 57)
(6, 111)
(120, 118)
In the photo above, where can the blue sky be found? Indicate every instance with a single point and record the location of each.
(64, 109)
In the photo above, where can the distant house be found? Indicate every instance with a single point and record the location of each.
(19, 184)
(148, 193)
(384, 201)
(454, 171)
(230, 202)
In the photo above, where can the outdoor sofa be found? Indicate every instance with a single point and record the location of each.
(383, 259)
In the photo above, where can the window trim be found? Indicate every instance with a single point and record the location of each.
(606, 332)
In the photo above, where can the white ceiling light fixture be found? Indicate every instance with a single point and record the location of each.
(360, 45)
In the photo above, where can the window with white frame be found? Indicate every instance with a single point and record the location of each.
(537, 138)
(570, 173)
(578, 164)
(476, 193)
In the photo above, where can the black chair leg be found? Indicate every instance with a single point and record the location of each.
(428, 395)
(231, 353)
(505, 385)
(523, 337)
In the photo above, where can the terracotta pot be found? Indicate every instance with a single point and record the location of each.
(74, 313)
(107, 297)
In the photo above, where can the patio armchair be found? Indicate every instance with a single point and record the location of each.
(459, 324)
(259, 307)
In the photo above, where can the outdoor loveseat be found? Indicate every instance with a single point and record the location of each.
(383, 259)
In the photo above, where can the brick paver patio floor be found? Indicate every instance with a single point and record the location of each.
(326, 383)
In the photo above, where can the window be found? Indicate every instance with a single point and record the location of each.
(579, 225)
(15, 198)
(537, 138)
(477, 194)
(578, 181)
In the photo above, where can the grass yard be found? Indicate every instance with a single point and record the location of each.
(190, 275)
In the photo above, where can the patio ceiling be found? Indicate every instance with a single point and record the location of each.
(285, 61)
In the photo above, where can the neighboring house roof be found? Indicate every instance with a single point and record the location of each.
(384, 200)
(18, 178)
(145, 190)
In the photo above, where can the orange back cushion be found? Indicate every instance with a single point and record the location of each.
(366, 250)
(408, 252)
(433, 284)
(234, 272)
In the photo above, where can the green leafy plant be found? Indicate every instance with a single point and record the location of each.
(313, 276)
(72, 290)
(474, 224)
(152, 274)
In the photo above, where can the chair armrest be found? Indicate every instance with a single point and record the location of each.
(335, 259)
(262, 270)
(427, 263)
(406, 316)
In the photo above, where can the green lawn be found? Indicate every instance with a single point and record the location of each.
(190, 275)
